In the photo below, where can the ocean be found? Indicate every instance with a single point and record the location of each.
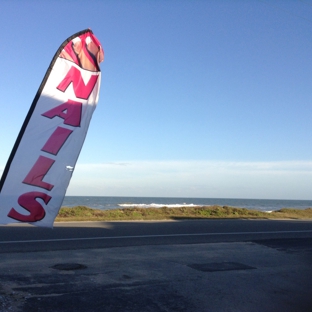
(113, 202)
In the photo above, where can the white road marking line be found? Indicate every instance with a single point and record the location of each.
(146, 236)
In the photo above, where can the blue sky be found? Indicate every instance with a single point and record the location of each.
(198, 98)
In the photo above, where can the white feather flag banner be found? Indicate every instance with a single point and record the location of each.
(40, 166)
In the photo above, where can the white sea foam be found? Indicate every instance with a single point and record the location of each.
(107, 203)
(158, 205)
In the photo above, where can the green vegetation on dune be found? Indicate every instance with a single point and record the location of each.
(82, 213)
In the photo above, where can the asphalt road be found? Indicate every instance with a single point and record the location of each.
(82, 235)
(200, 266)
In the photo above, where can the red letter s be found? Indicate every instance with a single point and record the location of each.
(28, 201)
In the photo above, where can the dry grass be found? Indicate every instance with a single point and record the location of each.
(82, 213)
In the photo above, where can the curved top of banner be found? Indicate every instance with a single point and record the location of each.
(84, 50)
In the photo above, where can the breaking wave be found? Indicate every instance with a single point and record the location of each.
(153, 205)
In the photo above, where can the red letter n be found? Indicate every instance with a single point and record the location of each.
(81, 90)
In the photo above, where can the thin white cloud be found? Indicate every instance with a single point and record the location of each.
(284, 179)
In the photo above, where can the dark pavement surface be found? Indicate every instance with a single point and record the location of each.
(214, 272)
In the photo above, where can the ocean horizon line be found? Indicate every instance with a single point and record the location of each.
(189, 197)
(119, 202)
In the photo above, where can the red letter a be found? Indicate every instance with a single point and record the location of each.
(69, 111)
